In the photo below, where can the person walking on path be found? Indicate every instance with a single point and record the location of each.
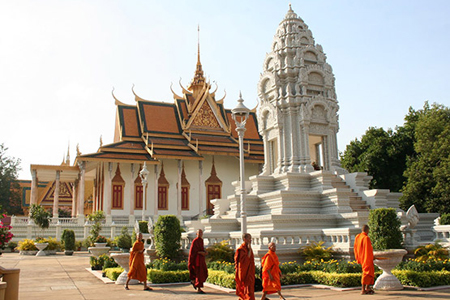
(198, 272)
(138, 270)
(245, 269)
(364, 256)
(271, 273)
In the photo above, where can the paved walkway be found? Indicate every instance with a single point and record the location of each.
(65, 277)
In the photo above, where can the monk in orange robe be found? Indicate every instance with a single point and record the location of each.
(198, 272)
(364, 256)
(271, 273)
(244, 261)
(138, 270)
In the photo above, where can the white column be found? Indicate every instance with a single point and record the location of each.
(132, 198)
(107, 197)
(243, 215)
(74, 198)
(155, 207)
(179, 190)
(200, 188)
(34, 190)
(56, 196)
(80, 207)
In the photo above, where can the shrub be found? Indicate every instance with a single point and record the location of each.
(40, 217)
(27, 245)
(297, 278)
(167, 265)
(158, 276)
(424, 266)
(143, 226)
(167, 237)
(336, 279)
(220, 252)
(96, 217)
(422, 279)
(109, 262)
(431, 251)
(100, 239)
(12, 245)
(221, 278)
(113, 273)
(445, 219)
(65, 212)
(385, 229)
(124, 239)
(316, 251)
(68, 239)
(224, 266)
(53, 244)
(289, 267)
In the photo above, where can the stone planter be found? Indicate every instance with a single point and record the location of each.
(123, 260)
(97, 251)
(68, 252)
(41, 247)
(28, 252)
(386, 261)
(100, 244)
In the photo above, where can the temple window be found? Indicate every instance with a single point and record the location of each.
(213, 189)
(138, 193)
(163, 187)
(118, 185)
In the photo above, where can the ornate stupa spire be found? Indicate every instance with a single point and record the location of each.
(199, 80)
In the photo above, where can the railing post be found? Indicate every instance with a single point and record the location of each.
(58, 231)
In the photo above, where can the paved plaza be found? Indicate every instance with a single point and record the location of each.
(65, 277)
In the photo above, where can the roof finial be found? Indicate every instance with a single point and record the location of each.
(290, 7)
(198, 42)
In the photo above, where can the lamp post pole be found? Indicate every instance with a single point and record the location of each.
(240, 115)
(144, 176)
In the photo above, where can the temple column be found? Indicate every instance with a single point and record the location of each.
(74, 198)
(155, 207)
(80, 206)
(108, 192)
(200, 187)
(179, 190)
(266, 168)
(56, 195)
(34, 190)
(131, 218)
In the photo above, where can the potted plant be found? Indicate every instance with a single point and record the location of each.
(100, 241)
(387, 240)
(68, 239)
(12, 246)
(97, 219)
(41, 218)
(123, 241)
(27, 247)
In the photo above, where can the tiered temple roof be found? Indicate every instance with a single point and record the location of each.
(194, 125)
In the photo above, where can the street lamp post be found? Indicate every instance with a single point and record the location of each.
(144, 176)
(240, 115)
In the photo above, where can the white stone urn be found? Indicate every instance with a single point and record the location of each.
(123, 260)
(387, 260)
(100, 244)
(41, 247)
(97, 251)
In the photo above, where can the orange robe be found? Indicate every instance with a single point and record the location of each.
(270, 263)
(196, 263)
(138, 270)
(245, 273)
(364, 256)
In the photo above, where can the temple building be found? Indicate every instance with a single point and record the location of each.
(189, 147)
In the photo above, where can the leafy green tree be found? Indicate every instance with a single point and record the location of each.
(40, 217)
(167, 237)
(382, 154)
(9, 187)
(385, 229)
(428, 172)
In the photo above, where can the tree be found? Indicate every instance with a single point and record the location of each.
(428, 172)
(41, 218)
(167, 237)
(9, 187)
(382, 154)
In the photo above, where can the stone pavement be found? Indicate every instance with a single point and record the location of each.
(65, 277)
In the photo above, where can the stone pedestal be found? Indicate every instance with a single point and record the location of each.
(11, 278)
(41, 247)
(387, 260)
(123, 260)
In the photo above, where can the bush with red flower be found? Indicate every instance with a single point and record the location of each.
(5, 234)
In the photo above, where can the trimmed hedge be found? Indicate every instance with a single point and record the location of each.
(113, 273)
(297, 278)
(221, 278)
(157, 276)
(423, 279)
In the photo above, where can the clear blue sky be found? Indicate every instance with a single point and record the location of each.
(59, 61)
